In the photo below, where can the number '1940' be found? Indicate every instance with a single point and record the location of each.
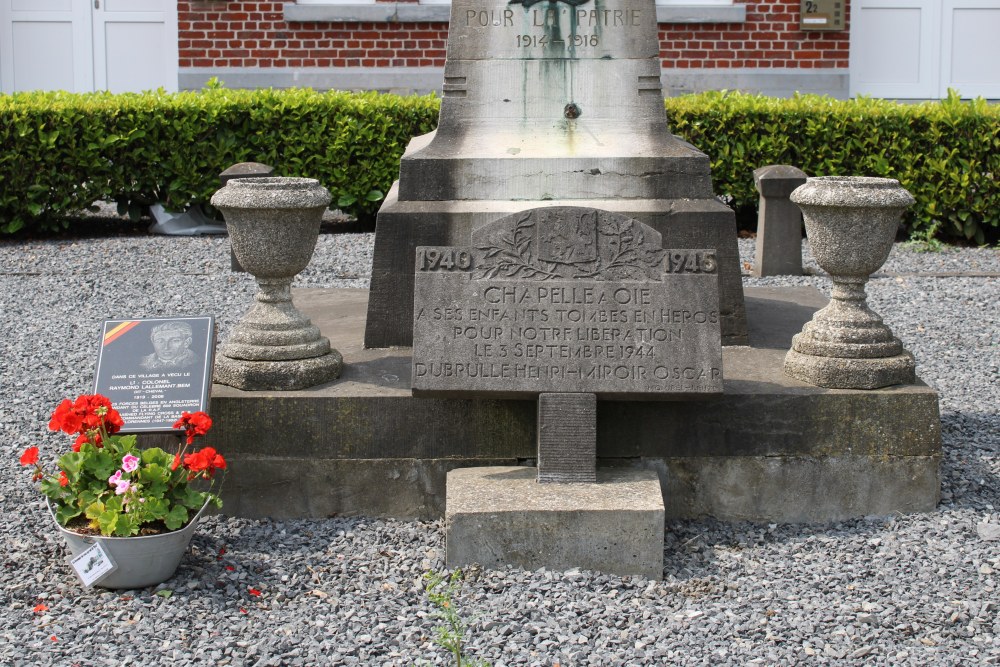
(432, 259)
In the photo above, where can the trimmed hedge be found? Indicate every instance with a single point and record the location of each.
(59, 152)
(947, 153)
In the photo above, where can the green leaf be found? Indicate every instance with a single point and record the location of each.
(66, 513)
(176, 518)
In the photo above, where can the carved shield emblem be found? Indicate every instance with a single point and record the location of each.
(567, 239)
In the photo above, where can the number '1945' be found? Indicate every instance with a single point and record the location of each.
(691, 261)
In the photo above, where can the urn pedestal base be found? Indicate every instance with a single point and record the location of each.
(288, 375)
(842, 373)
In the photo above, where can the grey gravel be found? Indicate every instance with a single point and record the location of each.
(883, 590)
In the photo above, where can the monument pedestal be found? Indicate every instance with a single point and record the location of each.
(548, 104)
(404, 225)
(770, 448)
(500, 516)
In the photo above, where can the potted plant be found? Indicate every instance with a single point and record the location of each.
(141, 505)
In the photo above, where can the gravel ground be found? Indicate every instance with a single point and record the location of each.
(883, 590)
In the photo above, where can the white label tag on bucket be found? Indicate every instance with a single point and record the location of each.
(93, 564)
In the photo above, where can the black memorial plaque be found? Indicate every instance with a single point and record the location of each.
(153, 369)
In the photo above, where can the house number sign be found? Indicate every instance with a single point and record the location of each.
(822, 15)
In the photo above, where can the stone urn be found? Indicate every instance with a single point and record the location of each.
(851, 223)
(273, 225)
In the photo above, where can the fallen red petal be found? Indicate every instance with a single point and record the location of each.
(39, 608)
(254, 591)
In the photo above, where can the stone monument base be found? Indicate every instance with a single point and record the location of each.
(842, 373)
(500, 516)
(278, 375)
(770, 448)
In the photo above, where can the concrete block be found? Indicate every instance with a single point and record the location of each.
(497, 516)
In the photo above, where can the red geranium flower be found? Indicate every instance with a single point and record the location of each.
(66, 419)
(194, 424)
(113, 421)
(30, 456)
(206, 460)
(63, 479)
(87, 413)
(97, 411)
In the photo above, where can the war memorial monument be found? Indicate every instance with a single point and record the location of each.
(556, 351)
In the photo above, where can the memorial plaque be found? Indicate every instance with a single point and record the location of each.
(155, 369)
(566, 299)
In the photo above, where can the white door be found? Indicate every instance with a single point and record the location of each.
(918, 49)
(45, 44)
(82, 45)
(970, 61)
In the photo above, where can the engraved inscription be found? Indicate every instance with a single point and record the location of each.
(566, 299)
(567, 437)
(558, 30)
(483, 18)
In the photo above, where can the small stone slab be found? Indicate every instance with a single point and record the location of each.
(566, 299)
(246, 170)
(498, 516)
(567, 438)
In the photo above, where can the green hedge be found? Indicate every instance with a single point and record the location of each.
(59, 151)
(947, 153)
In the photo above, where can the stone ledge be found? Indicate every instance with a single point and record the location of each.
(770, 448)
(376, 12)
(405, 80)
(701, 14)
(407, 12)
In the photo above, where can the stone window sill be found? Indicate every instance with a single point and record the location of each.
(406, 12)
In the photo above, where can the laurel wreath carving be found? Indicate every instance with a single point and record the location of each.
(625, 255)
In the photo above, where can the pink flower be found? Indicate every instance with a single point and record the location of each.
(121, 487)
(115, 479)
(130, 463)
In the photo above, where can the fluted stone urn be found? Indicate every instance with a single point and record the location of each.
(273, 226)
(851, 223)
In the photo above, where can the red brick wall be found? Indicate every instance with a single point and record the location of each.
(770, 38)
(249, 33)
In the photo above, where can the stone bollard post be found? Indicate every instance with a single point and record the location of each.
(243, 170)
(779, 222)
